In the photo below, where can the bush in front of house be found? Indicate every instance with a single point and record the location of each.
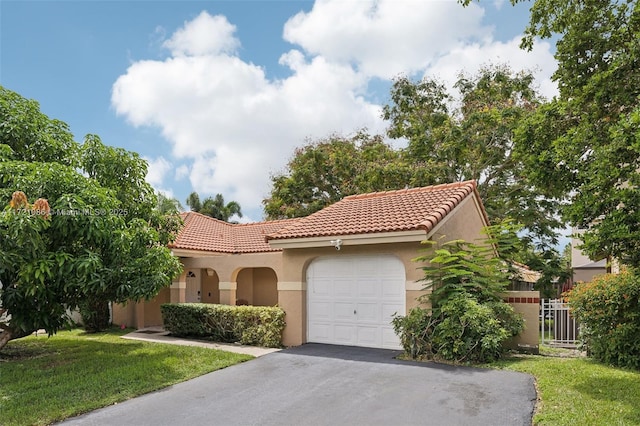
(467, 320)
(248, 325)
(463, 330)
(608, 310)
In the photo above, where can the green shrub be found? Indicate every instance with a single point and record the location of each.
(249, 325)
(464, 331)
(415, 331)
(608, 310)
(470, 331)
(468, 321)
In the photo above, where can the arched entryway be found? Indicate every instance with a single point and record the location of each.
(210, 286)
(257, 287)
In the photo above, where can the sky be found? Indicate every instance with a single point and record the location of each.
(216, 95)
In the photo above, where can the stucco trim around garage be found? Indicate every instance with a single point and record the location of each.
(351, 240)
(415, 285)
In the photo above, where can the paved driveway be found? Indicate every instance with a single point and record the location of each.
(332, 385)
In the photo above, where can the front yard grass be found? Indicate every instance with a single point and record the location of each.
(579, 391)
(44, 380)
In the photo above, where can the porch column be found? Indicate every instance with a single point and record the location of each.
(228, 292)
(292, 298)
(179, 289)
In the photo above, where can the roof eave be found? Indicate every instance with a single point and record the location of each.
(416, 235)
(182, 252)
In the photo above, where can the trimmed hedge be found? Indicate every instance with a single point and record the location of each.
(248, 325)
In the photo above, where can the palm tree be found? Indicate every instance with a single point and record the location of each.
(168, 205)
(214, 207)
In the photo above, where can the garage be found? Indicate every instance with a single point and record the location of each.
(351, 300)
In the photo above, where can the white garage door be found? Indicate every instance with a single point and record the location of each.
(352, 299)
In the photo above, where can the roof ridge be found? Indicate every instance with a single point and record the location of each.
(437, 187)
(262, 222)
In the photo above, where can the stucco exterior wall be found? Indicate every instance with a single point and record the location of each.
(123, 314)
(210, 287)
(265, 287)
(244, 290)
(528, 304)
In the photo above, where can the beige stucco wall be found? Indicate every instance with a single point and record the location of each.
(244, 290)
(466, 222)
(123, 314)
(265, 287)
(152, 314)
(210, 287)
(528, 304)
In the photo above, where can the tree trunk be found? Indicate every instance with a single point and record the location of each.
(9, 334)
(95, 315)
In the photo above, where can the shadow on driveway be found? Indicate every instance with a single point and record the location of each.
(318, 384)
(384, 356)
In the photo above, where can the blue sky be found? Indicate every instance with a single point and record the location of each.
(216, 95)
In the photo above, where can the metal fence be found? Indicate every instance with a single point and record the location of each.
(557, 326)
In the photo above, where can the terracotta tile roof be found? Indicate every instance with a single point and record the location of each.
(402, 210)
(204, 233)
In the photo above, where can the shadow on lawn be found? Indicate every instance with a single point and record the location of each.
(83, 372)
(621, 390)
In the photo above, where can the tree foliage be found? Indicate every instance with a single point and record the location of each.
(99, 238)
(455, 138)
(323, 172)
(214, 207)
(584, 145)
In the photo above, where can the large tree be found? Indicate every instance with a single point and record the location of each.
(214, 207)
(584, 146)
(470, 135)
(323, 172)
(77, 225)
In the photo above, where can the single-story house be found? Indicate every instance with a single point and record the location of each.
(340, 274)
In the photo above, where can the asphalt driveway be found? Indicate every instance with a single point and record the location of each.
(332, 385)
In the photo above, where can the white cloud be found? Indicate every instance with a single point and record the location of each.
(231, 126)
(203, 35)
(385, 37)
(157, 171)
(182, 172)
(471, 57)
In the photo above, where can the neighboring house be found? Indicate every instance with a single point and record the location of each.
(340, 274)
(524, 278)
(584, 268)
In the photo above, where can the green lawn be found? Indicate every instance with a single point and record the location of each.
(579, 391)
(43, 380)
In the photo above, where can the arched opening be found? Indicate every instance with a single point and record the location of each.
(257, 287)
(210, 286)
